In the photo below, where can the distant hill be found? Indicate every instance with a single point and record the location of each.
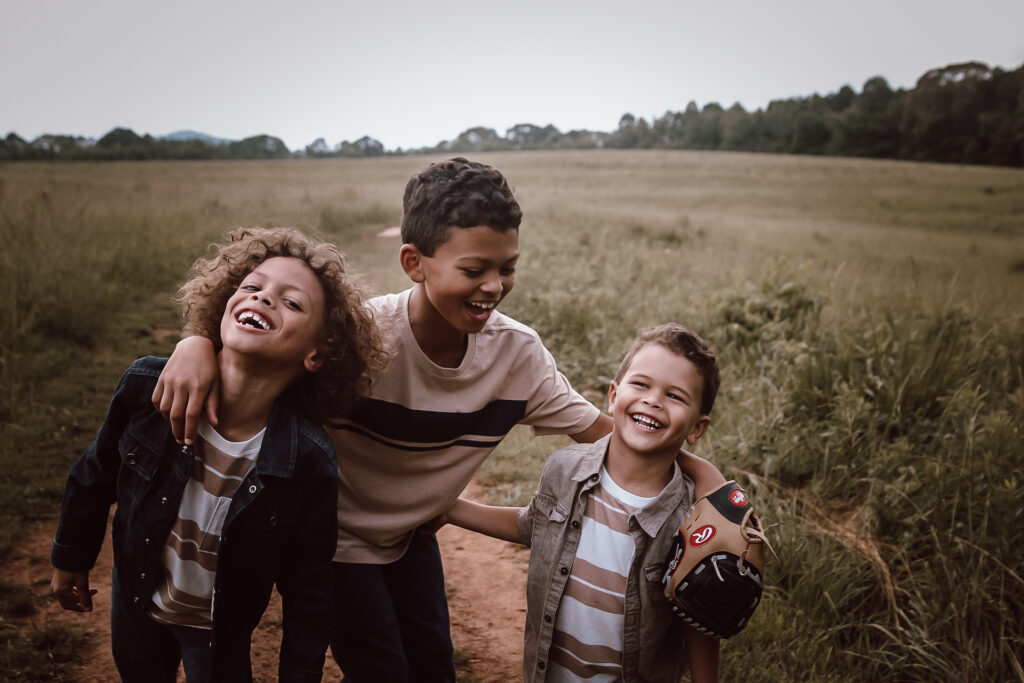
(181, 135)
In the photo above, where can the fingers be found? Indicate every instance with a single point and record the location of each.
(169, 399)
(72, 591)
(85, 598)
(213, 402)
(177, 416)
(183, 388)
(158, 395)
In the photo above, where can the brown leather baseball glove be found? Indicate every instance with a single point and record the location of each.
(714, 579)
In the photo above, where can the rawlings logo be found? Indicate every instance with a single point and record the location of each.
(738, 498)
(702, 535)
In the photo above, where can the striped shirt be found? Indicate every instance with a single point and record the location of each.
(587, 640)
(407, 452)
(184, 592)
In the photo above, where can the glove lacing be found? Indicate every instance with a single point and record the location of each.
(752, 532)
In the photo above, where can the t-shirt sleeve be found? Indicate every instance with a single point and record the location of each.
(554, 407)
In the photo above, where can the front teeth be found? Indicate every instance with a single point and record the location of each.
(645, 421)
(249, 316)
(486, 307)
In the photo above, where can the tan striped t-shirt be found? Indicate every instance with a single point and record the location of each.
(587, 640)
(184, 592)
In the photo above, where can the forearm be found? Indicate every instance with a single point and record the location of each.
(91, 487)
(490, 520)
(701, 655)
(600, 427)
(706, 476)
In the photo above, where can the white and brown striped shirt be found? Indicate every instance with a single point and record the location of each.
(587, 640)
(184, 593)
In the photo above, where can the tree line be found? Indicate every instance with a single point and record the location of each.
(962, 113)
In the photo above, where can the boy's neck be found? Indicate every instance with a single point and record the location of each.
(444, 345)
(248, 389)
(644, 475)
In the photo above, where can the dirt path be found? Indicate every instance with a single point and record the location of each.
(486, 582)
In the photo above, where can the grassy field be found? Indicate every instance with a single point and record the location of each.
(867, 316)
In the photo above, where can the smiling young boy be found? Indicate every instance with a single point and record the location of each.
(203, 533)
(601, 524)
(461, 376)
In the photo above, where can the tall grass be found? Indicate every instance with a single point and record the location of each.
(866, 315)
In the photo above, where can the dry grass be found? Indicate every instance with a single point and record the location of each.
(867, 315)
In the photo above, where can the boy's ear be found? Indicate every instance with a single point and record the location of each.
(698, 430)
(314, 361)
(612, 389)
(411, 259)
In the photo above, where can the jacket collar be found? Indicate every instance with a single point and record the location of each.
(280, 443)
(652, 517)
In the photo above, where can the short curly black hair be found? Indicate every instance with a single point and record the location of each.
(456, 193)
(686, 343)
(354, 351)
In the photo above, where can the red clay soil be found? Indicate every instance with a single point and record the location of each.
(486, 583)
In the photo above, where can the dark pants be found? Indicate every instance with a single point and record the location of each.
(390, 621)
(146, 651)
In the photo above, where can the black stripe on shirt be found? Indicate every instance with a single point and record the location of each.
(386, 422)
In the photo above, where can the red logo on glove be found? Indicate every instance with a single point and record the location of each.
(738, 498)
(702, 535)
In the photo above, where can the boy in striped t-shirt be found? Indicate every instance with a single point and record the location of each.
(601, 524)
(203, 533)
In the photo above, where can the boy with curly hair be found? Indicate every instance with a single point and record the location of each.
(203, 532)
(461, 376)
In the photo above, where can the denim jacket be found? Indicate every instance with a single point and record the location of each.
(652, 648)
(281, 525)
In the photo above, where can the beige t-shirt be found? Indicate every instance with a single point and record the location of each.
(407, 452)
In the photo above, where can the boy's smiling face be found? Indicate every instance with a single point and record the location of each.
(656, 405)
(277, 313)
(465, 279)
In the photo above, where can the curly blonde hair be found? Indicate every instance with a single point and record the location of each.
(354, 350)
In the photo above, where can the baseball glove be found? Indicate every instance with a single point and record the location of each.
(714, 577)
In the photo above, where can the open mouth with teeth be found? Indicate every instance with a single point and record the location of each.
(253, 319)
(480, 309)
(645, 423)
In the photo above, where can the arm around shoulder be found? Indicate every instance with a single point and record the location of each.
(490, 520)
(706, 476)
(187, 386)
(600, 427)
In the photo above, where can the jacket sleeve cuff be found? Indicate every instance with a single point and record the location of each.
(71, 559)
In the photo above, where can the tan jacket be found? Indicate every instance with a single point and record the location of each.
(653, 647)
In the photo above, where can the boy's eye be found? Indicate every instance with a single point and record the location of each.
(636, 383)
(294, 305)
(508, 271)
(472, 272)
(249, 288)
(674, 397)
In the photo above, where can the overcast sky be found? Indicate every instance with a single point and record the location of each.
(413, 72)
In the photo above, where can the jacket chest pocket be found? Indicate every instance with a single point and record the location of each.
(549, 525)
(140, 463)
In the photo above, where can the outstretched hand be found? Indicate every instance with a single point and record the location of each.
(72, 590)
(187, 386)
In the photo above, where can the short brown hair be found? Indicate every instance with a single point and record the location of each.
(353, 348)
(459, 193)
(686, 343)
